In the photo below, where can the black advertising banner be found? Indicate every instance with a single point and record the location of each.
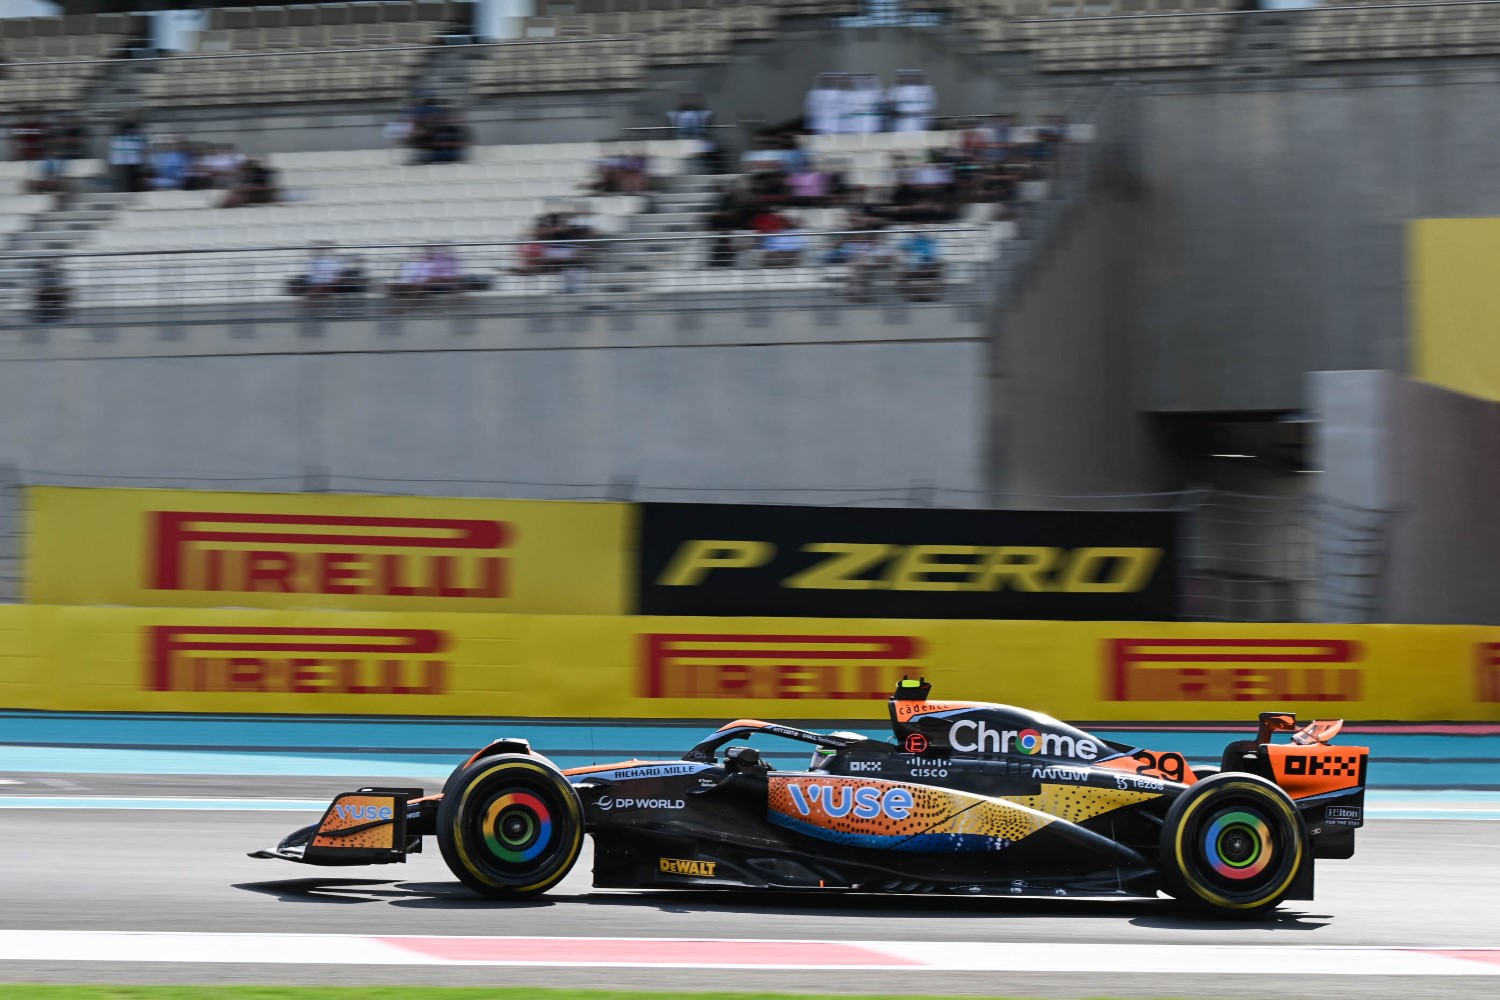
(860, 562)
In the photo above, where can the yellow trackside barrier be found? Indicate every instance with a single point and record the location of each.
(206, 660)
(174, 548)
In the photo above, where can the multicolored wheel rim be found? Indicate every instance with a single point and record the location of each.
(517, 826)
(1238, 845)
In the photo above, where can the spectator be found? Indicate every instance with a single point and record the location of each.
(690, 119)
(67, 141)
(532, 255)
(170, 162)
(28, 136)
(223, 166)
(823, 109)
(623, 172)
(864, 105)
(785, 246)
(921, 269)
(808, 187)
(912, 101)
(52, 292)
(415, 281)
(255, 185)
(324, 276)
(867, 255)
(127, 156)
(439, 138)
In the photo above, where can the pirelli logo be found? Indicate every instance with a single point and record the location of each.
(345, 661)
(1233, 670)
(327, 554)
(1487, 672)
(719, 665)
(676, 866)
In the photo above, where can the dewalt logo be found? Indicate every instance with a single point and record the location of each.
(675, 866)
(341, 661)
(786, 667)
(327, 554)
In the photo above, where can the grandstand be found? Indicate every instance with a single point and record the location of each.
(1224, 215)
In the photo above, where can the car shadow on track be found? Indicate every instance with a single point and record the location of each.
(1153, 913)
(374, 890)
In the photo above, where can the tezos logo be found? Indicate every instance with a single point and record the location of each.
(973, 736)
(864, 801)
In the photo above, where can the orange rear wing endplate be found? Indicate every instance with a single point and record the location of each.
(1317, 770)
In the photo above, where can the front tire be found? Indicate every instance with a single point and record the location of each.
(509, 826)
(1232, 846)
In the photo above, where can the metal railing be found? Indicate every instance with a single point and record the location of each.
(681, 271)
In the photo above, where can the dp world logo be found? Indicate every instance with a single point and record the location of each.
(606, 803)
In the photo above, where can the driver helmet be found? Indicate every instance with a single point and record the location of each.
(823, 756)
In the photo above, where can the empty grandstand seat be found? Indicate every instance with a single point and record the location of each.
(52, 58)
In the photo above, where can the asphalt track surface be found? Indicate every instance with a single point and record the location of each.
(1412, 883)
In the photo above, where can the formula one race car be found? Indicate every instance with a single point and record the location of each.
(968, 798)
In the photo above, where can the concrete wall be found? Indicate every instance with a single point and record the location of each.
(1428, 455)
(1063, 419)
(513, 412)
(1272, 238)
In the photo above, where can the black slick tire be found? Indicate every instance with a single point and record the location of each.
(1232, 846)
(509, 826)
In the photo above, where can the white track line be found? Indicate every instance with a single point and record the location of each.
(678, 953)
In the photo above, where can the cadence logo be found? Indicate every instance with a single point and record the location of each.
(244, 660)
(1233, 670)
(717, 665)
(327, 554)
(1487, 672)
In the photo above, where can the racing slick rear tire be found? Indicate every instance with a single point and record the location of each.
(1232, 846)
(509, 826)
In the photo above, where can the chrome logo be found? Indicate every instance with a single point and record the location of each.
(1028, 741)
(1238, 845)
(517, 827)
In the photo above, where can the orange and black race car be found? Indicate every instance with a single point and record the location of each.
(967, 797)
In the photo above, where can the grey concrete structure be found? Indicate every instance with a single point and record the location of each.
(1272, 240)
(798, 409)
(1062, 396)
(1427, 454)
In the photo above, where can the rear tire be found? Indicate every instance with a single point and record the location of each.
(1232, 845)
(509, 826)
